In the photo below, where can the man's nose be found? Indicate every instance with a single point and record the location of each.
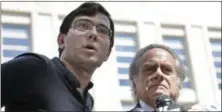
(158, 74)
(93, 33)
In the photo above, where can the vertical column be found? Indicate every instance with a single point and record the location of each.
(215, 35)
(147, 33)
(199, 64)
(44, 41)
(34, 16)
(105, 90)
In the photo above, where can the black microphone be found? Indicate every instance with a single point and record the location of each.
(165, 103)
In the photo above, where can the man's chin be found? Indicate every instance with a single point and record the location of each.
(93, 62)
(158, 93)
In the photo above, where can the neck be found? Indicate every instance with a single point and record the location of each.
(83, 75)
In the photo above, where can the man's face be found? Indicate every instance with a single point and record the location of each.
(156, 76)
(85, 45)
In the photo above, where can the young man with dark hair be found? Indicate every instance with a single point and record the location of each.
(32, 82)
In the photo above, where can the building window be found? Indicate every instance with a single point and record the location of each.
(125, 46)
(173, 36)
(15, 39)
(15, 35)
(177, 44)
(215, 42)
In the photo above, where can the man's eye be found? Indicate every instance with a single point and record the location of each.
(149, 68)
(83, 26)
(103, 30)
(167, 70)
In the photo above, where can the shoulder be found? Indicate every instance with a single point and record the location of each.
(21, 74)
(25, 64)
(26, 59)
(32, 57)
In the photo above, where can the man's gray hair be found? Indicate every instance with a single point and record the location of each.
(135, 64)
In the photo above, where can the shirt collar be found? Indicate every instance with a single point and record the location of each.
(145, 106)
(68, 75)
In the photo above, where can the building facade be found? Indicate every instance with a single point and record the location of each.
(192, 29)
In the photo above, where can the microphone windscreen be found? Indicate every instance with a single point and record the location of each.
(175, 107)
(163, 100)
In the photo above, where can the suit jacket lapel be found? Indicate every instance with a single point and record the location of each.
(137, 108)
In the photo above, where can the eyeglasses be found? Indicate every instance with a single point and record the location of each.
(86, 25)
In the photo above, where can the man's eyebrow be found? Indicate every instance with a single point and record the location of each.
(149, 62)
(167, 64)
(85, 19)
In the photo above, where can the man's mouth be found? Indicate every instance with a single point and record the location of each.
(90, 47)
(158, 86)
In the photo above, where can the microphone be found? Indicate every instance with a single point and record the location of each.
(165, 103)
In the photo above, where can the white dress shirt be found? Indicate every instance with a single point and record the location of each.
(145, 106)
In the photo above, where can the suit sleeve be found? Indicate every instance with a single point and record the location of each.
(18, 75)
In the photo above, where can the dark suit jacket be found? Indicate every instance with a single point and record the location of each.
(137, 108)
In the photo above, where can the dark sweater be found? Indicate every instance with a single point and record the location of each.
(32, 82)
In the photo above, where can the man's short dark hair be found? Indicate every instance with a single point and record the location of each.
(86, 9)
(135, 65)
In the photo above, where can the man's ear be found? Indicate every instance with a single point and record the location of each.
(177, 95)
(133, 88)
(60, 40)
(132, 82)
(108, 54)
